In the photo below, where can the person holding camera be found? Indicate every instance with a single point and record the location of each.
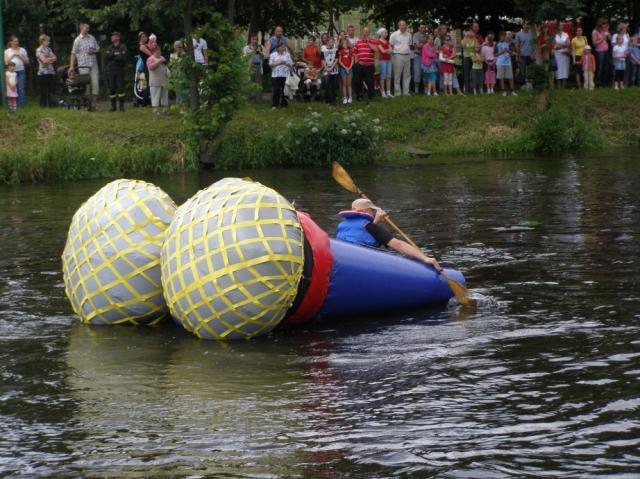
(253, 53)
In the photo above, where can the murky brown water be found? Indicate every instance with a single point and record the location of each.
(542, 381)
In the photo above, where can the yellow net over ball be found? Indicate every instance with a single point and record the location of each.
(232, 260)
(111, 261)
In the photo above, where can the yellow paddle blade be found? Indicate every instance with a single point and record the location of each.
(461, 293)
(342, 177)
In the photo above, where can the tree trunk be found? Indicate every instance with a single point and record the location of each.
(231, 10)
(634, 14)
(332, 23)
(254, 18)
(193, 87)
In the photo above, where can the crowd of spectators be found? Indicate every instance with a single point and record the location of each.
(440, 60)
(433, 61)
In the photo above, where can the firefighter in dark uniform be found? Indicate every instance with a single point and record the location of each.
(116, 60)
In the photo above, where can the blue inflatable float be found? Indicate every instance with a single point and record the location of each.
(346, 279)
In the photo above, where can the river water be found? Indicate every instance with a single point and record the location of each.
(543, 380)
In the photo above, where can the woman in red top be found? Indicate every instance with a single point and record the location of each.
(346, 58)
(447, 68)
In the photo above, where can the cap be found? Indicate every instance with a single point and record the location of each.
(362, 204)
(115, 33)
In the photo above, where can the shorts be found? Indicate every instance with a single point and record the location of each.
(432, 77)
(505, 72)
(385, 69)
(94, 87)
(344, 73)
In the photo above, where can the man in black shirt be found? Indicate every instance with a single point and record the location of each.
(362, 225)
(116, 60)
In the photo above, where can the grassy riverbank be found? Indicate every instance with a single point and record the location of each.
(485, 124)
(61, 145)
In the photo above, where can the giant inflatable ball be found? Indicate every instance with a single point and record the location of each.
(111, 261)
(232, 260)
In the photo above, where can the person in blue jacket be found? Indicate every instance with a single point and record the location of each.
(362, 225)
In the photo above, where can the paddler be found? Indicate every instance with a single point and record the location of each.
(362, 225)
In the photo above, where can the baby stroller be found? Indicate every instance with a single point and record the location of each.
(73, 89)
(140, 84)
(293, 86)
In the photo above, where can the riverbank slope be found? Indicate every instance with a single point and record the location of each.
(39, 144)
(61, 145)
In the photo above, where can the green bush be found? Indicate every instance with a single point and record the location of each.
(348, 137)
(550, 131)
(538, 76)
(585, 134)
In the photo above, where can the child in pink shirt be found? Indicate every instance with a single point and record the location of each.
(11, 79)
(430, 65)
(488, 52)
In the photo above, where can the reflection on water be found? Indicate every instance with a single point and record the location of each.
(542, 381)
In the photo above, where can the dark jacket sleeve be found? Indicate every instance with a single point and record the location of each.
(379, 232)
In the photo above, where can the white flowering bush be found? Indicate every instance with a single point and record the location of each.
(351, 137)
(348, 137)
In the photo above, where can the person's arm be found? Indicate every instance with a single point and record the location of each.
(96, 47)
(145, 49)
(290, 48)
(153, 62)
(595, 39)
(205, 54)
(24, 57)
(73, 58)
(273, 63)
(407, 250)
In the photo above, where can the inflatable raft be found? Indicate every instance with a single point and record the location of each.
(352, 280)
(234, 261)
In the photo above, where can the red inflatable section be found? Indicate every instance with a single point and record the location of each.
(319, 282)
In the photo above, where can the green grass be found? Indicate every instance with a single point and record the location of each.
(448, 125)
(61, 145)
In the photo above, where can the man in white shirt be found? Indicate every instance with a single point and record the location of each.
(400, 42)
(351, 36)
(200, 48)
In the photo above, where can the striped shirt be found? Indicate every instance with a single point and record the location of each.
(364, 52)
